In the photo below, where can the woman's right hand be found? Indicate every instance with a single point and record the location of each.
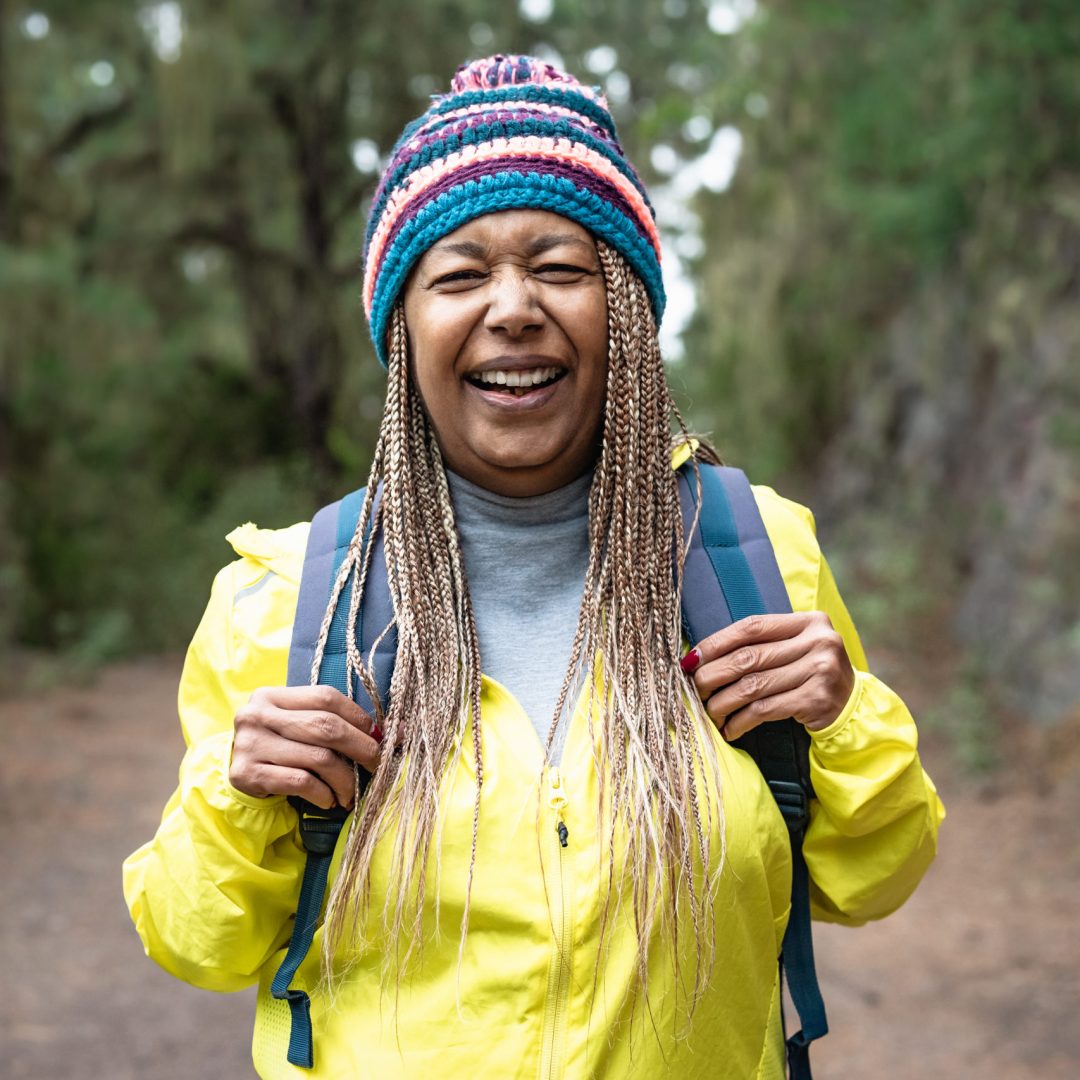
(302, 740)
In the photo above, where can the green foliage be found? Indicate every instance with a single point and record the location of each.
(182, 344)
(894, 135)
(968, 717)
(902, 592)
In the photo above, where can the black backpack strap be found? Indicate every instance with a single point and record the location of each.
(332, 530)
(730, 573)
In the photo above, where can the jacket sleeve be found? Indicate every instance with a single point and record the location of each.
(212, 893)
(873, 826)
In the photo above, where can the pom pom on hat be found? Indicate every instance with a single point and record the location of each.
(514, 132)
(501, 70)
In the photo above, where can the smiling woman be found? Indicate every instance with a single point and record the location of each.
(489, 678)
(507, 321)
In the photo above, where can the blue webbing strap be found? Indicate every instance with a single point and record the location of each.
(320, 836)
(731, 572)
(331, 531)
(797, 962)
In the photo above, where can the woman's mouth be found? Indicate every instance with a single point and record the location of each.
(516, 383)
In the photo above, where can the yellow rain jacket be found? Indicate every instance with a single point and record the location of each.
(213, 893)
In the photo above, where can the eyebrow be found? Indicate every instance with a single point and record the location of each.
(470, 249)
(553, 240)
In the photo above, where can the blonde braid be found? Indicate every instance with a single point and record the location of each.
(651, 747)
(436, 681)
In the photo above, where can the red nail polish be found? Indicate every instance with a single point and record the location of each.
(690, 661)
(376, 732)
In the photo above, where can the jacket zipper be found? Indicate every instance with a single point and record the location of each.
(558, 990)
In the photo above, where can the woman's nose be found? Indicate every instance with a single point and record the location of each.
(513, 307)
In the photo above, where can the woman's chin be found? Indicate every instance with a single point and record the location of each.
(525, 469)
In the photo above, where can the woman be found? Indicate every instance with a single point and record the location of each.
(560, 864)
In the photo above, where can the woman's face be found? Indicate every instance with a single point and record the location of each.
(507, 322)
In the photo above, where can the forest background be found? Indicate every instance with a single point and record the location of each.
(871, 222)
(871, 216)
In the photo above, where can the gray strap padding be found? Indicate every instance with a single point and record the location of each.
(314, 593)
(705, 605)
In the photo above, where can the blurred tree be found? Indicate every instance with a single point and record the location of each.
(183, 189)
(886, 291)
(892, 283)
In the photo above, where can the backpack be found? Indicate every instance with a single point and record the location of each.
(730, 573)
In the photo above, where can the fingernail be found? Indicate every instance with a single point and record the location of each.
(690, 661)
(376, 732)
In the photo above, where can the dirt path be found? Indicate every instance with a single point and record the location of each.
(978, 976)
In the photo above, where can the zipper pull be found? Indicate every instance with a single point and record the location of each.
(557, 802)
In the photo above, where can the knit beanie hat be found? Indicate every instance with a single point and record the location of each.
(512, 133)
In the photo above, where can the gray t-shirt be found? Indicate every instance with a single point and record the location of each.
(525, 559)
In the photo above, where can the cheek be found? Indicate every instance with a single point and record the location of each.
(593, 323)
(593, 350)
(434, 342)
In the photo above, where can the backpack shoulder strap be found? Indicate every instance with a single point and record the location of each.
(321, 560)
(731, 572)
(332, 530)
(331, 533)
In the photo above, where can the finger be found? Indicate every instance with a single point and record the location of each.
(265, 778)
(329, 766)
(325, 729)
(757, 686)
(326, 699)
(251, 756)
(762, 711)
(747, 659)
(749, 631)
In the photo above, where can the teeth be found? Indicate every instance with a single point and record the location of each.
(534, 377)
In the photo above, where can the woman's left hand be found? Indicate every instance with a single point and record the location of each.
(769, 667)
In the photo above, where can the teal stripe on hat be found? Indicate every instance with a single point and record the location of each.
(509, 190)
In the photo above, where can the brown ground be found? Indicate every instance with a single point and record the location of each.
(979, 976)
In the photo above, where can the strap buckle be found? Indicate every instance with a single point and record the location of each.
(319, 828)
(793, 801)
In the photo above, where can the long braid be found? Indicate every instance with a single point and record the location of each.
(650, 747)
(436, 682)
(652, 753)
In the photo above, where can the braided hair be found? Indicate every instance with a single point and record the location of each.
(655, 762)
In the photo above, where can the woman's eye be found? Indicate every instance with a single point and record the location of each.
(459, 277)
(560, 271)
